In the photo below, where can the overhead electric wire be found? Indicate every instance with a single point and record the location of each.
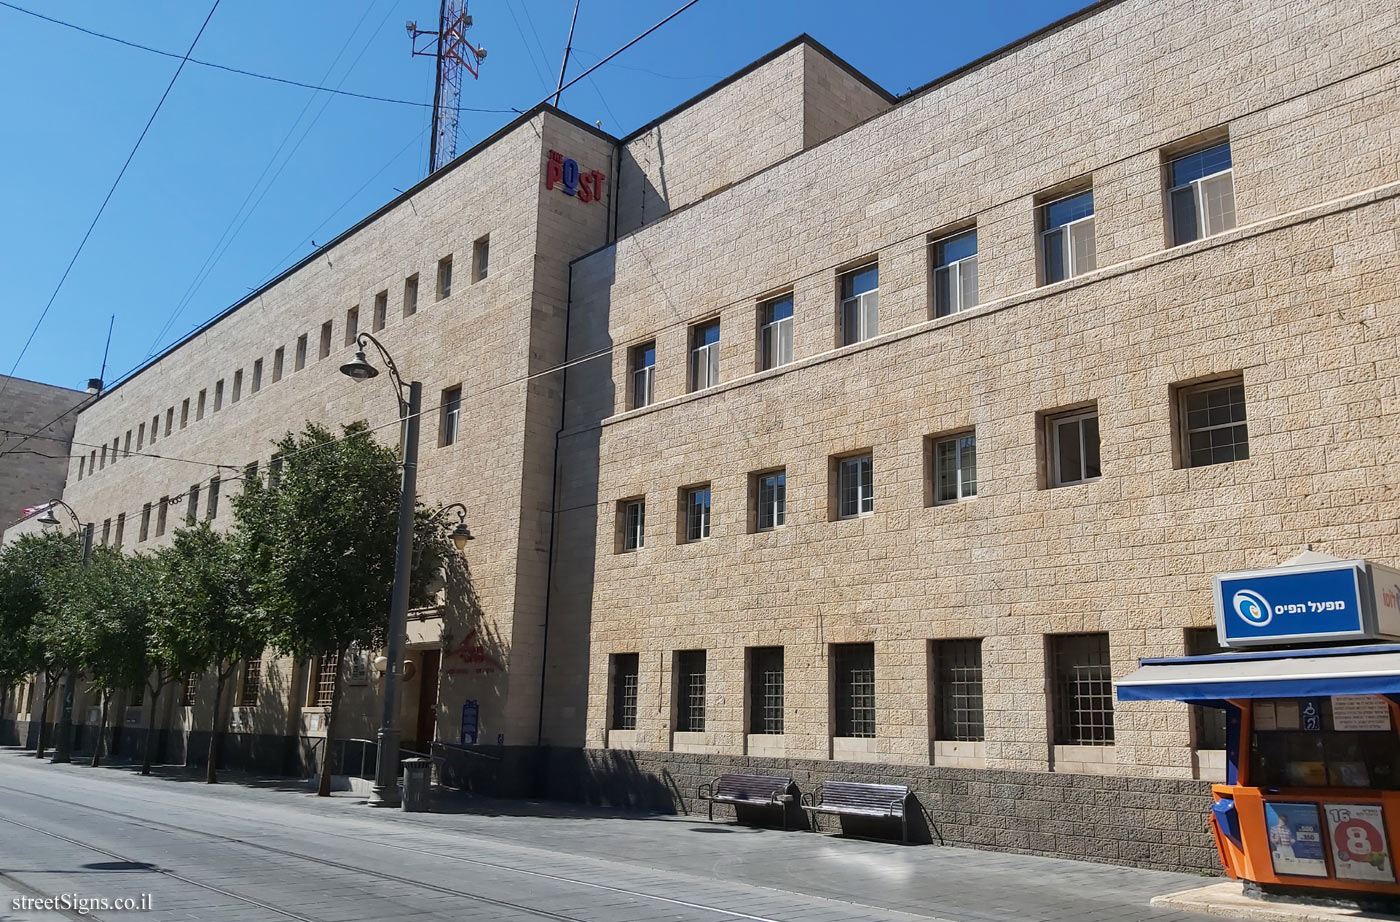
(110, 192)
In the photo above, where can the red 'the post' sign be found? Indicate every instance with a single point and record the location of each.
(564, 172)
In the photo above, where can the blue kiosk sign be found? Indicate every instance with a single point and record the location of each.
(1329, 601)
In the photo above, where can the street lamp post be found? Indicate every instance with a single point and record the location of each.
(63, 746)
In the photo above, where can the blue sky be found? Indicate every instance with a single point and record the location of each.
(238, 176)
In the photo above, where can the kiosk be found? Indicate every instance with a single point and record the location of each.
(1310, 685)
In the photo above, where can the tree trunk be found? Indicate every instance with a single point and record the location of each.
(324, 790)
(211, 772)
(49, 687)
(151, 725)
(4, 701)
(101, 730)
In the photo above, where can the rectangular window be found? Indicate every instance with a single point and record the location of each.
(169, 420)
(199, 410)
(218, 395)
(274, 471)
(1212, 422)
(213, 508)
(106, 531)
(1201, 195)
(860, 304)
(140, 436)
(450, 425)
(161, 513)
(82, 463)
(633, 520)
(957, 682)
(327, 331)
(381, 311)
(954, 273)
(1067, 236)
(185, 413)
(704, 355)
(126, 447)
(697, 513)
(323, 687)
(145, 531)
(624, 691)
(278, 363)
(250, 473)
(410, 295)
(855, 486)
(138, 695)
(104, 456)
(256, 384)
(690, 691)
(444, 277)
(770, 500)
(1073, 443)
(190, 690)
(300, 361)
(192, 506)
(1208, 723)
(155, 428)
(775, 333)
(481, 257)
(237, 386)
(766, 690)
(955, 467)
(121, 530)
(251, 685)
(1083, 689)
(853, 665)
(116, 449)
(352, 325)
(643, 374)
(92, 460)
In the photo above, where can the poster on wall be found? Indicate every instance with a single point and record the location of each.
(471, 721)
(1356, 834)
(1360, 712)
(1295, 839)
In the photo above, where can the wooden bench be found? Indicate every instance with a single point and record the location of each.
(761, 791)
(849, 798)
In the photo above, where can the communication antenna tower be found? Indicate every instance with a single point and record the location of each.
(448, 44)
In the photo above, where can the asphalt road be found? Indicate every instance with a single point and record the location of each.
(249, 849)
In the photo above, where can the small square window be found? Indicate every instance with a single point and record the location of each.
(381, 310)
(481, 257)
(444, 277)
(1072, 447)
(860, 304)
(1201, 194)
(769, 500)
(954, 273)
(632, 523)
(704, 355)
(766, 690)
(775, 333)
(449, 427)
(1212, 423)
(643, 375)
(410, 295)
(855, 486)
(352, 325)
(696, 508)
(1067, 237)
(624, 691)
(954, 463)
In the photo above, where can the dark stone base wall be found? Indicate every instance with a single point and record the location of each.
(1142, 822)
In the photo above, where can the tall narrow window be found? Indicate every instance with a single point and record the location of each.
(381, 310)
(106, 531)
(855, 486)
(690, 691)
(1073, 443)
(323, 684)
(1212, 422)
(170, 419)
(481, 258)
(954, 273)
(192, 506)
(766, 690)
(957, 682)
(218, 395)
(251, 685)
(274, 471)
(444, 277)
(704, 355)
(278, 363)
(82, 463)
(633, 519)
(126, 447)
(410, 295)
(155, 428)
(327, 331)
(1209, 722)
(955, 467)
(775, 333)
(145, 531)
(116, 449)
(237, 386)
(1067, 236)
(860, 304)
(352, 325)
(256, 384)
(697, 513)
(140, 436)
(624, 691)
(161, 512)
(300, 361)
(770, 500)
(1202, 194)
(185, 413)
(853, 665)
(104, 456)
(213, 509)
(121, 530)
(190, 691)
(92, 460)
(643, 374)
(1083, 690)
(451, 422)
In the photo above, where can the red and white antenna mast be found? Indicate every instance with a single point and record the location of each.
(449, 45)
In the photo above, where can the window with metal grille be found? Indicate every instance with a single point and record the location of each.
(704, 355)
(1073, 443)
(1209, 723)
(957, 669)
(860, 304)
(955, 467)
(1083, 690)
(324, 688)
(191, 689)
(690, 691)
(643, 374)
(624, 691)
(697, 513)
(1067, 236)
(766, 690)
(251, 685)
(855, 486)
(1213, 426)
(770, 500)
(954, 273)
(775, 333)
(634, 524)
(1201, 198)
(854, 667)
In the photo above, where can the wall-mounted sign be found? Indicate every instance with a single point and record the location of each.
(471, 721)
(1336, 600)
(1360, 712)
(1356, 834)
(564, 172)
(1295, 839)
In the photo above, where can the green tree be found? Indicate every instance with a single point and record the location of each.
(207, 619)
(32, 635)
(320, 541)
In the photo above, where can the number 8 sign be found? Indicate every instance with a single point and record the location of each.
(1356, 833)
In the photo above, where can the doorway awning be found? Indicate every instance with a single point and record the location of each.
(1212, 679)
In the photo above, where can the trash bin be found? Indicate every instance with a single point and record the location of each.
(417, 785)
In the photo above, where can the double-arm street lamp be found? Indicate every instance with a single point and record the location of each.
(385, 792)
(63, 746)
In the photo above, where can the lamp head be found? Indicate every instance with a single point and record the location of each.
(460, 536)
(48, 518)
(360, 369)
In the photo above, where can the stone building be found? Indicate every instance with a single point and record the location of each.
(36, 428)
(858, 436)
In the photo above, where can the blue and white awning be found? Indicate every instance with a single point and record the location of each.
(1362, 670)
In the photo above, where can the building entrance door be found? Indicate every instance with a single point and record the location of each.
(426, 730)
